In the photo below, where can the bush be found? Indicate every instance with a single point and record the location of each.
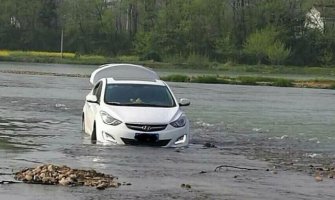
(209, 79)
(176, 78)
(247, 80)
(152, 55)
(277, 53)
(198, 61)
(280, 82)
(264, 44)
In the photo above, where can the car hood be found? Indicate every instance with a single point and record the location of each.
(144, 115)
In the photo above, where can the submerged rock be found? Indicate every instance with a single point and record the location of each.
(66, 176)
(209, 145)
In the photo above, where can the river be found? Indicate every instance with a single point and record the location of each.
(40, 122)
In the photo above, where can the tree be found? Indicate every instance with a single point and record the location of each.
(264, 44)
(277, 52)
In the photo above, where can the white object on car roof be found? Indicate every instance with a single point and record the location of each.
(123, 72)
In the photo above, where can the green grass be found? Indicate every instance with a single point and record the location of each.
(209, 79)
(247, 80)
(176, 78)
(196, 69)
(279, 82)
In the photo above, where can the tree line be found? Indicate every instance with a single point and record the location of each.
(238, 31)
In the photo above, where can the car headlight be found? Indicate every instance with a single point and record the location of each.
(180, 122)
(107, 119)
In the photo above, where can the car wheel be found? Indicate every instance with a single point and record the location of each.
(94, 133)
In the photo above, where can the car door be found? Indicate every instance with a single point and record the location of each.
(92, 108)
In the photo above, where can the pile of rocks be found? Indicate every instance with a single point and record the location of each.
(63, 175)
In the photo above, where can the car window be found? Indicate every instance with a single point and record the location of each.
(97, 90)
(138, 95)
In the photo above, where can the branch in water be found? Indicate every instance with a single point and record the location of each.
(218, 168)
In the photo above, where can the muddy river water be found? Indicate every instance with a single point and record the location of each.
(40, 122)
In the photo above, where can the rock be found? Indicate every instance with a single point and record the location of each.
(65, 181)
(63, 175)
(50, 168)
(45, 179)
(102, 186)
(114, 184)
(28, 177)
(186, 186)
(209, 145)
(42, 175)
(318, 178)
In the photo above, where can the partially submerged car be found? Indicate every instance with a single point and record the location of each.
(129, 104)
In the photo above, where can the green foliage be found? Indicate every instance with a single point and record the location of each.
(226, 49)
(258, 42)
(176, 78)
(143, 42)
(152, 55)
(277, 52)
(253, 80)
(326, 57)
(198, 61)
(280, 82)
(264, 45)
(184, 31)
(208, 79)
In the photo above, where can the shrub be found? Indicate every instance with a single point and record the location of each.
(209, 79)
(176, 78)
(247, 80)
(277, 53)
(264, 44)
(152, 55)
(198, 61)
(280, 82)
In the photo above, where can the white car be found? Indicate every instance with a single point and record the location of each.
(129, 104)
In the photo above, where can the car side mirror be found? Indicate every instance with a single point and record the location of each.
(91, 98)
(184, 102)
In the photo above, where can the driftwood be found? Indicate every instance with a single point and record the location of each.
(9, 182)
(6, 174)
(218, 168)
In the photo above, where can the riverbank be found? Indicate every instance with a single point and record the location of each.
(209, 72)
(218, 79)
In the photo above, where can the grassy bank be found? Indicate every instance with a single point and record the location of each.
(211, 72)
(247, 80)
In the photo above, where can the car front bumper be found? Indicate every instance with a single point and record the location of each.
(121, 134)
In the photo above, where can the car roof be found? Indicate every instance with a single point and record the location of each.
(123, 72)
(140, 82)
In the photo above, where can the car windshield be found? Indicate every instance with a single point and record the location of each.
(138, 95)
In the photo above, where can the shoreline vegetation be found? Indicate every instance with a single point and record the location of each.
(262, 75)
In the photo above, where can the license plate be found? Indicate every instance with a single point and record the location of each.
(145, 137)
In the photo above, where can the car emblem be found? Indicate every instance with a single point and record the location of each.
(146, 128)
